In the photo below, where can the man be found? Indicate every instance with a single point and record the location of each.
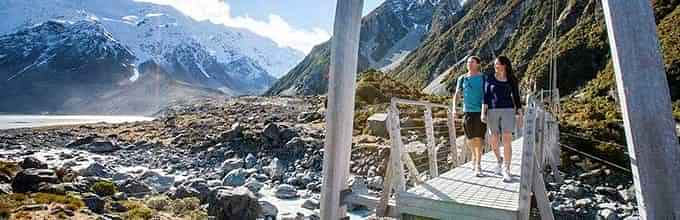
(471, 88)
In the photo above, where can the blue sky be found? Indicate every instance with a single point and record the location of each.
(299, 24)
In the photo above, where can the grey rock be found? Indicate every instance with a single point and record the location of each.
(254, 185)
(251, 161)
(235, 177)
(272, 134)
(627, 194)
(285, 191)
(269, 211)
(605, 190)
(94, 203)
(160, 183)
(135, 188)
(583, 203)
(32, 162)
(307, 117)
(29, 180)
(311, 204)
(97, 170)
(102, 146)
(184, 192)
(607, 214)
(5, 189)
(276, 169)
(236, 131)
(227, 203)
(201, 186)
(118, 207)
(232, 164)
(573, 191)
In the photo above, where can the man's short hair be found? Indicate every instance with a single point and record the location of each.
(477, 59)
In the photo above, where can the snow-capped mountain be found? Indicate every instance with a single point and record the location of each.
(50, 64)
(150, 30)
(71, 55)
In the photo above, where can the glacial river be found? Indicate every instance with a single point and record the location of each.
(29, 121)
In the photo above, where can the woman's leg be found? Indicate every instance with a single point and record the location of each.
(507, 149)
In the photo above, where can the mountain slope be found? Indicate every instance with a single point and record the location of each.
(45, 66)
(388, 34)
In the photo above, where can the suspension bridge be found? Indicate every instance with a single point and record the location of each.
(447, 188)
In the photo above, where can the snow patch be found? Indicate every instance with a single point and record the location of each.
(151, 15)
(200, 67)
(130, 18)
(135, 75)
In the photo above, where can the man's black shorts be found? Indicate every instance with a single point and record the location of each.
(473, 126)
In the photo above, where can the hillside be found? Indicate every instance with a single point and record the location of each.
(388, 34)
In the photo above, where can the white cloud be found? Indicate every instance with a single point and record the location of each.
(275, 28)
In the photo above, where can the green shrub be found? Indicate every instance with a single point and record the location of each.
(185, 206)
(71, 202)
(140, 213)
(104, 188)
(160, 203)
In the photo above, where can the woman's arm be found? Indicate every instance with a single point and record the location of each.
(516, 100)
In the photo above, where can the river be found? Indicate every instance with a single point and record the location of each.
(30, 121)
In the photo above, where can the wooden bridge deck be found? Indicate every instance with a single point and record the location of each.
(460, 194)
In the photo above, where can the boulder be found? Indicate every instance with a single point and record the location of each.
(285, 191)
(80, 141)
(377, 125)
(94, 203)
(184, 192)
(254, 185)
(276, 169)
(235, 177)
(235, 132)
(160, 183)
(135, 188)
(29, 180)
(232, 164)
(307, 117)
(32, 162)
(272, 134)
(295, 148)
(201, 186)
(268, 211)
(311, 204)
(97, 170)
(573, 191)
(5, 189)
(251, 161)
(607, 214)
(227, 203)
(102, 146)
(118, 207)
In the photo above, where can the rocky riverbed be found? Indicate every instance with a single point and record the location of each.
(243, 158)
(232, 155)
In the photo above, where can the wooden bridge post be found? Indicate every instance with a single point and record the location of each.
(646, 106)
(339, 118)
(431, 145)
(395, 173)
(451, 111)
(527, 169)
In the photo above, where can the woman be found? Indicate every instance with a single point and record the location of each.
(500, 110)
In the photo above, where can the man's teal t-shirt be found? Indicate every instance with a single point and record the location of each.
(473, 92)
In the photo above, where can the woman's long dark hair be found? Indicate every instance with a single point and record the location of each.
(508, 68)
